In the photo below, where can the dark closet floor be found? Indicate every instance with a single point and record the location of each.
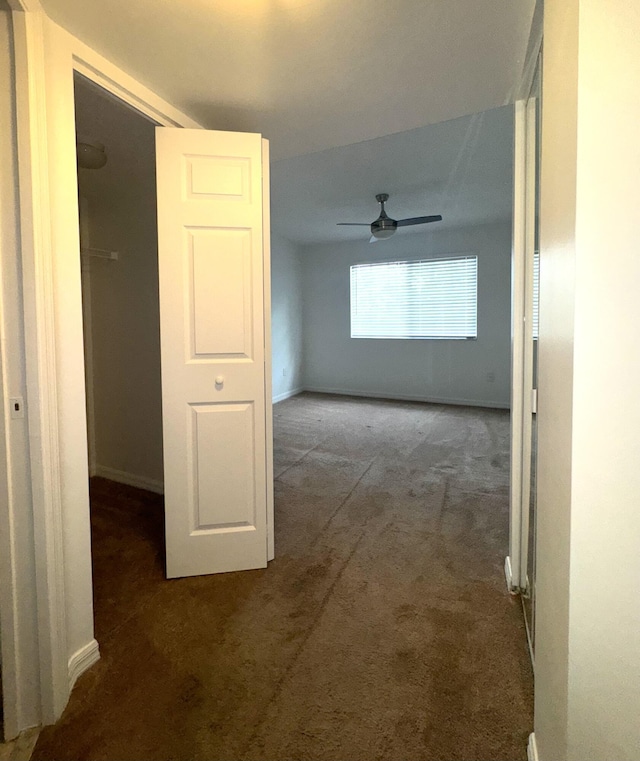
(383, 629)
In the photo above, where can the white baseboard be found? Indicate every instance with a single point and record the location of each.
(130, 479)
(81, 660)
(287, 394)
(407, 397)
(21, 747)
(508, 575)
(532, 748)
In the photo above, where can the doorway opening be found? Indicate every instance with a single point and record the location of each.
(258, 629)
(418, 492)
(452, 277)
(121, 331)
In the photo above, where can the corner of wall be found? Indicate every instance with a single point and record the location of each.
(286, 318)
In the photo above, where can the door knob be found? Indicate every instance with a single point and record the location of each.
(220, 380)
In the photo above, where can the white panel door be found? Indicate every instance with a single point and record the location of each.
(212, 325)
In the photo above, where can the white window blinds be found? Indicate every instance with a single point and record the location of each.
(431, 298)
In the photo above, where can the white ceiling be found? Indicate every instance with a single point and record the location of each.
(313, 74)
(461, 169)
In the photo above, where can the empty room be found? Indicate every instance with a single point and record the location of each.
(319, 403)
(384, 617)
(285, 500)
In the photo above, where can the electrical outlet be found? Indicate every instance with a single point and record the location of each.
(17, 407)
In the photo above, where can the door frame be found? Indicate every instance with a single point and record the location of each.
(54, 356)
(513, 562)
(521, 313)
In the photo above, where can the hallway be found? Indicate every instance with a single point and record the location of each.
(383, 629)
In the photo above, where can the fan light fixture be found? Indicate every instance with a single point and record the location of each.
(381, 234)
(91, 155)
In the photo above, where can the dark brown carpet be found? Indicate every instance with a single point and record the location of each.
(382, 630)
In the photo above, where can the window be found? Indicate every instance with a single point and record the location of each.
(432, 298)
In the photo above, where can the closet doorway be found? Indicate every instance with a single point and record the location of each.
(121, 323)
(204, 221)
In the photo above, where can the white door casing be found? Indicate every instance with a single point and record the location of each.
(53, 642)
(516, 560)
(513, 564)
(523, 245)
(212, 324)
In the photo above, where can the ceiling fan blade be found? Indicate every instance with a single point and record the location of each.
(355, 224)
(419, 220)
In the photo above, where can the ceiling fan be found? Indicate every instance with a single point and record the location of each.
(384, 226)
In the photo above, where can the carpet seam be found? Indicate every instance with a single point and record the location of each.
(297, 462)
(323, 604)
(124, 621)
(343, 503)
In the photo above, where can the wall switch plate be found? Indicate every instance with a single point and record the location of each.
(17, 407)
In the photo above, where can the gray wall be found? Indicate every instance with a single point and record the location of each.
(286, 318)
(463, 372)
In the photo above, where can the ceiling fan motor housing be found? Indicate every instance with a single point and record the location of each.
(384, 226)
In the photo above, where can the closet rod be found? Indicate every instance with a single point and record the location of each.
(99, 253)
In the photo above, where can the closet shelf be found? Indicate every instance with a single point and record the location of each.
(100, 253)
